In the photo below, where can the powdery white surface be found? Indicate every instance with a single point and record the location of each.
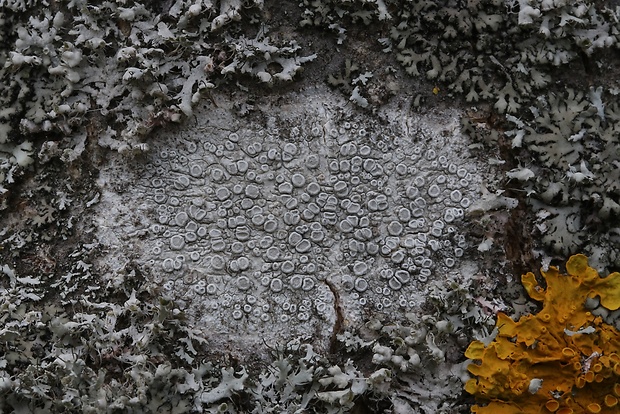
(304, 218)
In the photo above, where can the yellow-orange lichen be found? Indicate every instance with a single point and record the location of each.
(562, 360)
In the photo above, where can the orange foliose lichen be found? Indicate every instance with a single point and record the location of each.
(562, 360)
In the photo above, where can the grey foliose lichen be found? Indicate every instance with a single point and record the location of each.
(106, 356)
(111, 72)
(574, 185)
(510, 54)
(259, 56)
(422, 354)
(488, 50)
(351, 80)
(118, 349)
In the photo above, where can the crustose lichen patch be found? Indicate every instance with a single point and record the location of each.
(252, 225)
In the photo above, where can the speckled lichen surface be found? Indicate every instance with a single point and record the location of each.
(273, 225)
